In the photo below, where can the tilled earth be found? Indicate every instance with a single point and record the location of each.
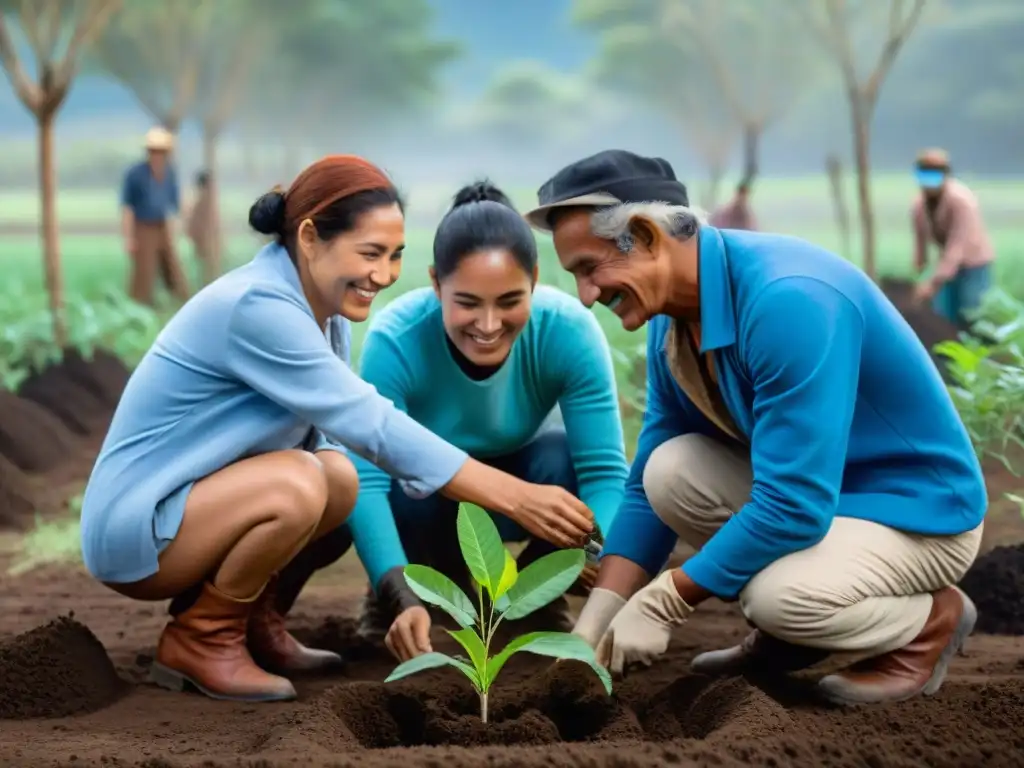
(542, 714)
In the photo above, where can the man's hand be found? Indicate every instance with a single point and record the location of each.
(640, 632)
(924, 292)
(409, 635)
(598, 612)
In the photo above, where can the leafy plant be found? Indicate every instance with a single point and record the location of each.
(988, 378)
(511, 595)
(27, 345)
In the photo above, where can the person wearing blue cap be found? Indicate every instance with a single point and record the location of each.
(837, 503)
(947, 214)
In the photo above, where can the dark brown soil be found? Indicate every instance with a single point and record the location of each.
(73, 402)
(16, 495)
(996, 584)
(31, 437)
(542, 714)
(56, 670)
(49, 433)
(104, 376)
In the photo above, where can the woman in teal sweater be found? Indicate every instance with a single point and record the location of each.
(517, 375)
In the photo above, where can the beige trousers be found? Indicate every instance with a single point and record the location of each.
(863, 588)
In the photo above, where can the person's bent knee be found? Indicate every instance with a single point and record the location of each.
(299, 495)
(668, 482)
(342, 485)
(786, 609)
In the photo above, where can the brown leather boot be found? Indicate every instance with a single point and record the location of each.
(205, 646)
(274, 647)
(759, 651)
(919, 667)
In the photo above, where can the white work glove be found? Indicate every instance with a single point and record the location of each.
(640, 632)
(597, 614)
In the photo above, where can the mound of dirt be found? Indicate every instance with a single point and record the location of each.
(996, 585)
(56, 670)
(55, 389)
(105, 376)
(16, 504)
(31, 437)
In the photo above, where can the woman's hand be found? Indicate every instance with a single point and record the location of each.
(546, 511)
(409, 635)
(553, 514)
(585, 583)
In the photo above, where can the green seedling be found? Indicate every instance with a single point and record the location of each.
(512, 595)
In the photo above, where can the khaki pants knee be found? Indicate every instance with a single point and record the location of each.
(863, 588)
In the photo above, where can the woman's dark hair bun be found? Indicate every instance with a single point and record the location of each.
(266, 215)
(479, 192)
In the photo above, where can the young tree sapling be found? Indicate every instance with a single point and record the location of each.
(512, 595)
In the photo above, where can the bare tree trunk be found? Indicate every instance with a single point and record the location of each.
(751, 151)
(48, 223)
(212, 264)
(862, 155)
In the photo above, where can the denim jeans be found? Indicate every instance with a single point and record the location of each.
(427, 527)
(963, 294)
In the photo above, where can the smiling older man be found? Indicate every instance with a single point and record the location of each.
(797, 435)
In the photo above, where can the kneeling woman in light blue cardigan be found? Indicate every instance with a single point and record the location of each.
(517, 375)
(227, 455)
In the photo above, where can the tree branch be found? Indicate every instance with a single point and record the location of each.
(28, 92)
(30, 25)
(87, 28)
(899, 31)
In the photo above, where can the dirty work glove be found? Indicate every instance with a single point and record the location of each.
(597, 614)
(640, 632)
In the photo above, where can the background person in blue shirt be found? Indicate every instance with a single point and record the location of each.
(519, 376)
(150, 201)
(227, 455)
(797, 436)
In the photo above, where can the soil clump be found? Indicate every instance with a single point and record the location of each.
(56, 670)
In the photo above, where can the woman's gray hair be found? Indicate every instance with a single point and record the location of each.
(613, 223)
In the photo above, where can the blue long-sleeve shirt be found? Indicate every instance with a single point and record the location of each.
(845, 412)
(241, 370)
(561, 359)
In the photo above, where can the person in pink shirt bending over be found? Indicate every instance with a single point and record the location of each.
(946, 212)
(737, 213)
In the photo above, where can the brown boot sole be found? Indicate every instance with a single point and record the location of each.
(172, 680)
(964, 628)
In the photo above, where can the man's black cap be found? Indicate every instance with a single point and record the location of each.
(609, 177)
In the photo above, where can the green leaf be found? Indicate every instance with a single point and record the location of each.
(544, 580)
(508, 577)
(431, 661)
(481, 546)
(559, 645)
(435, 588)
(474, 646)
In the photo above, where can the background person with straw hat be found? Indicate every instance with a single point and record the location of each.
(150, 199)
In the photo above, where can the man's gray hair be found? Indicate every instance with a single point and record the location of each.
(680, 221)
